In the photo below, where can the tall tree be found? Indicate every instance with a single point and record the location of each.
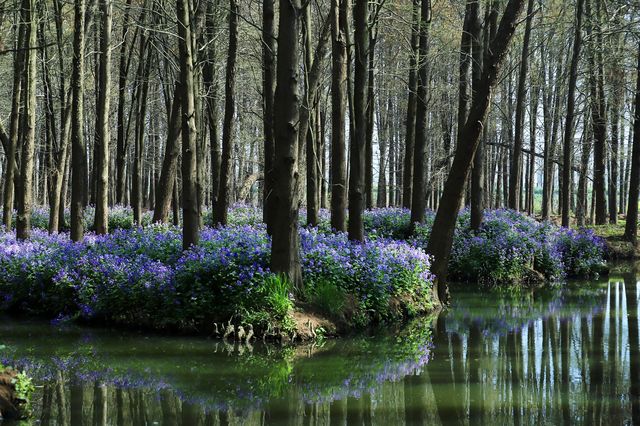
(23, 222)
(191, 221)
(285, 258)
(339, 10)
(123, 70)
(441, 237)
(268, 88)
(14, 126)
(78, 156)
(631, 227)
(407, 178)
(222, 203)
(568, 126)
(101, 222)
(515, 175)
(357, 193)
(418, 196)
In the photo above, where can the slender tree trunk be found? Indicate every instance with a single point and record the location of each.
(164, 189)
(14, 126)
(103, 136)
(477, 51)
(191, 222)
(285, 257)
(568, 127)
(368, 164)
(515, 181)
(631, 227)
(268, 88)
(418, 197)
(407, 178)
(23, 221)
(78, 156)
(222, 205)
(358, 145)
(339, 11)
(121, 148)
(441, 237)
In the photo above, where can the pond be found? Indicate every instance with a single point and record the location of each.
(553, 356)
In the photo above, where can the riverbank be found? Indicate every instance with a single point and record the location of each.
(139, 277)
(617, 247)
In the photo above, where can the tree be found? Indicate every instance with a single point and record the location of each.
(285, 258)
(191, 221)
(101, 222)
(418, 196)
(14, 127)
(339, 10)
(78, 156)
(357, 193)
(441, 238)
(407, 178)
(268, 88)
(515, 175)
(23, 222)
(631, 227)
(568, 127)
(222, 203)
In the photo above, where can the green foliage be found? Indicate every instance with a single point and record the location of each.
(328, 298)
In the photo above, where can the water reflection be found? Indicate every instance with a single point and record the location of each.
(564, 356)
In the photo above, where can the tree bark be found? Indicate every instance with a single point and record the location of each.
(358, 145)
(418, 196)
(515, 175)
(101, 222)
(631, 227)
(164, 189)
(407, 177)
(121, 145)
(78, 156)
(441, 237)
(191, 222)
(568, 127)
(23, 221)
(14, 126)
(222, 204)
(285, 257)
(339, 10)
(268, 88)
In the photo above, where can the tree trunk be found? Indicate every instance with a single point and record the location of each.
(418, 196)
(568, 127)
(23, 221)
(222, 204)
(285, 257)
(121, 144)
(164, 189)
(103, 137)
(407, 177)
(441, 237)
(358, 145)
(368, 163)
(515, 181)
(78, 156)
(631, 227)
(268, 87)
(339, 11)
(14, 126)
(477, 51)
(191, 222)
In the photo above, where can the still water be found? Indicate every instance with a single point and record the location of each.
(569, 355)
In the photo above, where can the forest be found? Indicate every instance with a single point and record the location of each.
(296, 170)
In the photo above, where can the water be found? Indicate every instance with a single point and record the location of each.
(558, 356)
